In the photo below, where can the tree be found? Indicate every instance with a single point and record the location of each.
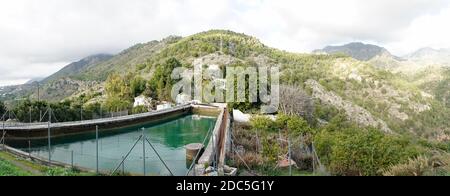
(119, 92)
(161, 83)
(298, 126)
(355, 151)
(295, 101)
(2, 108)
(117, 85)
(138, 86)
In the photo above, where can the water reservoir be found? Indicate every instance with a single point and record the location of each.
(168, 137)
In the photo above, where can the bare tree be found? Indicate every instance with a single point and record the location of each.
(295, 101)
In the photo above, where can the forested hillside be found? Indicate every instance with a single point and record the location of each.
(339, 102)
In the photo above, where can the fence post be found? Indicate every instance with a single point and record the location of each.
(313, 159)
(29, 149)
(96, 148)
(49, 140)
(4, 133)
(71, 158)
(123, 166)
(214, 151)
(143, 149)
(290, 157)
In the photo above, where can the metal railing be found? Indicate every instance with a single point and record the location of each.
(144, 139)
(70, 157)
(16, 125)
(197, 156)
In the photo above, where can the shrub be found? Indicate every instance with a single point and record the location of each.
(419, 166)
(262, 123)
(356, 151)
(298, 126)
(250, 159)
(59, 171)
(271, 150)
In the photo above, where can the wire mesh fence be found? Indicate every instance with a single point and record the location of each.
(107, 162)
(108, 153)
(111, 151)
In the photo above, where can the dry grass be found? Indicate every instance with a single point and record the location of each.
(439, 164)
(248, 159)
(414, 167)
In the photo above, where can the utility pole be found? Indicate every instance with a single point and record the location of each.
(96, 140)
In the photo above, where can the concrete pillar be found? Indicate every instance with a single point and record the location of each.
(192, 150)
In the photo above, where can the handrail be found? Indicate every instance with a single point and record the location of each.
(198, 153)
(96, 121)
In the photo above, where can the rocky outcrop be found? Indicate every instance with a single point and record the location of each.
(354, 113)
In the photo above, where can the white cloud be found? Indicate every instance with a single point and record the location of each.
(430, 30)
(41, 35)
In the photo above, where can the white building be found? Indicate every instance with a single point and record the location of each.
(142, 101)
(183, 99)
(163, 106)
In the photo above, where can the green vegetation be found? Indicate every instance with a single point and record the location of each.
(7, 169)
(14, 166)
(344, 148)
(420, 123)
(160, 86)
(68, 110)
(349, 150)
(265, 145)
(118, 91)
(122, 89)
(2, 108)
(437, 165)
(59, 171)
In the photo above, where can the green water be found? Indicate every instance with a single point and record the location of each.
(168, 138)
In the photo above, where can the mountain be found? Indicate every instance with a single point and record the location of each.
(366, 94)
(77, 67)
(357, 50)
(34, 80)
(57, 86)
(341, 99)
(430, 56)
(128, 60)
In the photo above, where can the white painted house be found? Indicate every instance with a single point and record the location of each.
(142, 101)
(183, 99)
(163, 106)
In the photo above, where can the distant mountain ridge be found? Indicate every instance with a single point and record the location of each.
(77, 67)
(358, 50)
(34, 80)
(369, 94)
(430, 56)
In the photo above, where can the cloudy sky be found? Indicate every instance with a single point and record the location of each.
(38, 38)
